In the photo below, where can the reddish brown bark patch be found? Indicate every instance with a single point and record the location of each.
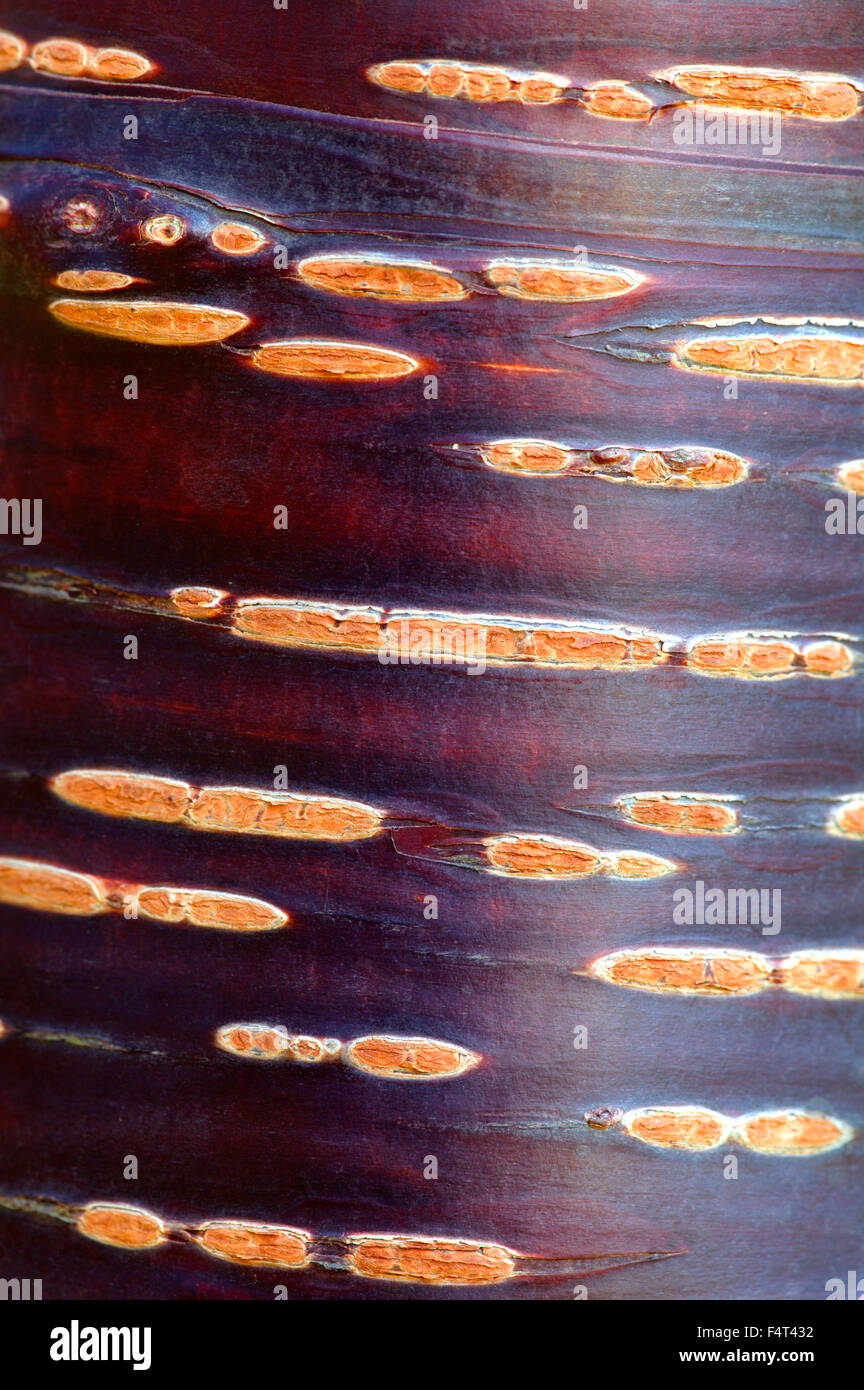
(47, 888)
(287, 623)
(542, 856)
(848, 818)
(818, 97)
(680, 815)
(251, 1243)
(129, 1227)
(235, 239)
(677, 1127)
(118, 65)
(291, 815)
(828, 659)
(13, 51)
(197, 601)
(791, 1132)
(632, 864)
(92, 281)
(200, 908)
(430, 1259)
(405, 282)
(826, 974)
(469, 81)
(63, 57)
(141, 321)
(526, 456)
(138, 795)
(618, 100)
(558, 282)
(416, 1058)
(689, 971)
(793, 358)
(742, 657)
(262, 1042)
(851, 475)
(329, 360)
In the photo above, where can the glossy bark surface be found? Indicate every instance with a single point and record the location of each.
(267, 119)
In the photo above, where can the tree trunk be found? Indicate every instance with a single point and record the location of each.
(429, 467)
